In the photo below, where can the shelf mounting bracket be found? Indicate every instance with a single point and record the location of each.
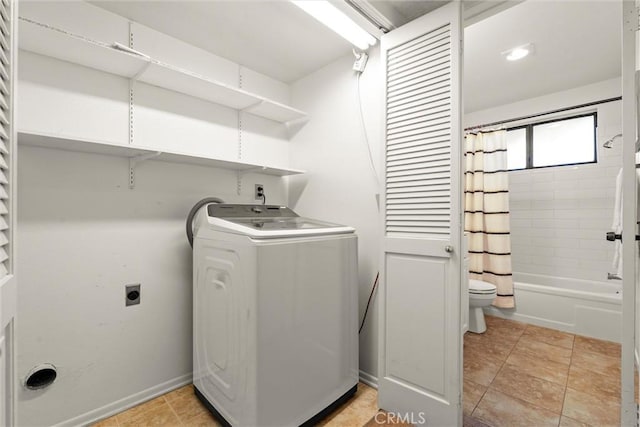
(133, 162)
(248, 108)
(294, 125)
(141, 71)
(294, 122)
(252, 170)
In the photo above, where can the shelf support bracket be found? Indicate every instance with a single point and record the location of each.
(291, 123)
(252, 170)
(294, 125)
(248, 108)
(141, 71)
(133, 162)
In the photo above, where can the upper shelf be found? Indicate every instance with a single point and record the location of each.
(49, 41)
(132, 151)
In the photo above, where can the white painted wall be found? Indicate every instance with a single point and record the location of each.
(559, 215)
(340, 185)
(83, 234)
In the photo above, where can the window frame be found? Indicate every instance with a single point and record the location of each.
(529, 141)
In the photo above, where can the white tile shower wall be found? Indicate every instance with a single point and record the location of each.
(559, 215)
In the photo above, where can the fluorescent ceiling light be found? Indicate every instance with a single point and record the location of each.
(335, 19)
(518, 52)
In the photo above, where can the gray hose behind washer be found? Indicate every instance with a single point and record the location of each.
(192, 213)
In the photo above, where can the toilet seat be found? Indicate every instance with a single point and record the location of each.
(479, 287)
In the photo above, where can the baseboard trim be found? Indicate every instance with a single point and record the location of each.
(531, 320)
(369, 379)
(127, 402)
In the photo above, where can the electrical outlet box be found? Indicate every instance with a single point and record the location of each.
(360, 62)
(259, 192)
(132, 294)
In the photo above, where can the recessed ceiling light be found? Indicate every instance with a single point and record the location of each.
(335, 19)
(518, 52)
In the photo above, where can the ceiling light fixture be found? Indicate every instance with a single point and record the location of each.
(335, 19)
(518, 52)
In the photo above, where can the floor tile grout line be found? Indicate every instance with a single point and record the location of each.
(173, 410)
(565, 389)
(504, 362)
(573, 348)
(548, 343)
(517, 398)
(566, 384)
(527, 402)
(569, 367)
(164, 396)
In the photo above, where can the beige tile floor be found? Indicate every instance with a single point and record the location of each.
(181, 408)
(517, 374)
(514, 375)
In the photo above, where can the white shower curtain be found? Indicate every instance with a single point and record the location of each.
(486, 215)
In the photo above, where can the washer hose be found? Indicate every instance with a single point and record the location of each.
(192, 213)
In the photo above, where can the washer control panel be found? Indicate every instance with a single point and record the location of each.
(225, 210)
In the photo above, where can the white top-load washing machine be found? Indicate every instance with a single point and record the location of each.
(275, 315)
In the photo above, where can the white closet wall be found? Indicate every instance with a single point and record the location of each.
(84, 234)
(340, 185)
(60, 98)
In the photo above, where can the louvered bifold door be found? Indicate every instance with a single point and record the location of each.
(418, 161)
(7, 210)
(420, 324)
(5, 134)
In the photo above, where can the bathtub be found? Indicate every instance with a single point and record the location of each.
(582, 307)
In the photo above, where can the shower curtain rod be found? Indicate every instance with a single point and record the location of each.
(533, 116)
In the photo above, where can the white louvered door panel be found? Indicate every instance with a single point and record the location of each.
(8, 304)
(420, 321)
(418, 147)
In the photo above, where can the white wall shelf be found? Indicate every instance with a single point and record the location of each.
(49, 41)
(26, 138)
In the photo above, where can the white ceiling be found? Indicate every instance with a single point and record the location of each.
(577, 42)
(402, 11)
(272, 37)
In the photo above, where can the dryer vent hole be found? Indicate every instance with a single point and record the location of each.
(41, 377)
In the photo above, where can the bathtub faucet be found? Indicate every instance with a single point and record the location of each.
(612, 276)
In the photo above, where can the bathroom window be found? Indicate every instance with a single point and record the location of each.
(561, 142)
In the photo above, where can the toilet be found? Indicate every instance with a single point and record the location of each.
(481, 294)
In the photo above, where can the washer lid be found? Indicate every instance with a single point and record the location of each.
(269, 221)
